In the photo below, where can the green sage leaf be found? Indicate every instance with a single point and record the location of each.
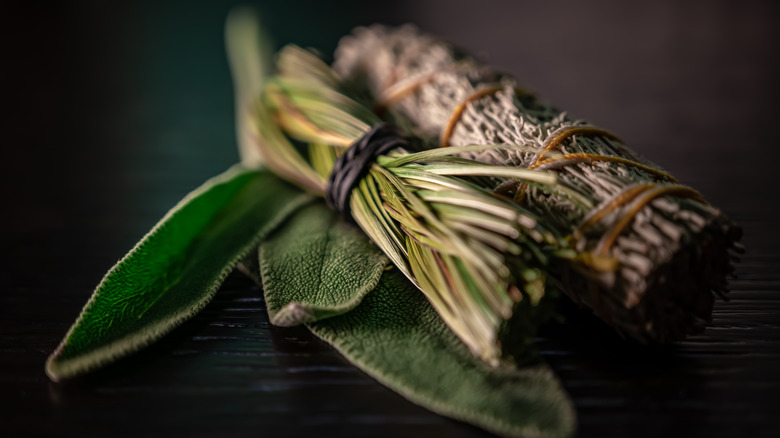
(317, 266)
(396, 337)
(176, 268)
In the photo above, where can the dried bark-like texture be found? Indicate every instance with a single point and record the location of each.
(673, 250)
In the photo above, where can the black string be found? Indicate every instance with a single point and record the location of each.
(353, 165)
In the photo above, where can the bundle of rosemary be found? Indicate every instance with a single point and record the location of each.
(482, 260)
(658, 250)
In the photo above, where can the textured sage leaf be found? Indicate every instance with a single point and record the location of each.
(317, 266)
(176, 268)
(396, 337)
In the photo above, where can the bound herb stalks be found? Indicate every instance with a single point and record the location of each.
(480, 259)
(654, 250)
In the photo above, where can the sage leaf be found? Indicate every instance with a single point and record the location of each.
(317, 265)
(176, 268)
(396, 337)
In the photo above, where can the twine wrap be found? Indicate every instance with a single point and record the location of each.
(353, 165)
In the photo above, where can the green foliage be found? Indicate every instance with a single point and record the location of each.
(176, 269)
(317, 266)
(396, 337)
(316, 269)
(320, 270)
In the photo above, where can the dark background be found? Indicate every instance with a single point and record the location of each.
(113, 112)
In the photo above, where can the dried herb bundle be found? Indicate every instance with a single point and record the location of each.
(480, 259)
(671, 250)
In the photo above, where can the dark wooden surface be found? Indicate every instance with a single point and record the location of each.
(114, 112)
